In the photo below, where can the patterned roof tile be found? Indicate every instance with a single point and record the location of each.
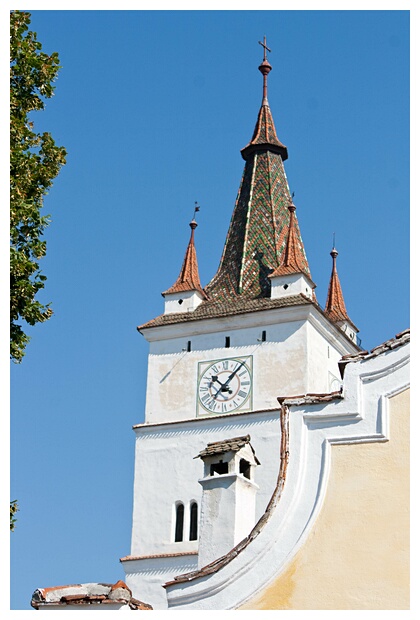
(293, 259)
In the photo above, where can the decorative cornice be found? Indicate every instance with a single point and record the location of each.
(134, 558)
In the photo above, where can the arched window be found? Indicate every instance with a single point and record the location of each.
(193, 521)
(179, 522)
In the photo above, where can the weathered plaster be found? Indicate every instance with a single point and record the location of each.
(299, 356)
(357, 553)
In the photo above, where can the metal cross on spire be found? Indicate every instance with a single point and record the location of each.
(265, 69)
(266, 49)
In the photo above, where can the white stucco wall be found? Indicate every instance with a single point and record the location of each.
(360, 417)
(187, 301)
(298, 357)
(166, 472)
(145, 578)
(300, 354)
(291, 284)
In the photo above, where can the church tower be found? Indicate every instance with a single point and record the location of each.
(219, 357)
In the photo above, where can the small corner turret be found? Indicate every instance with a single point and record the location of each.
(292, 276)
(186, 294)
(335, 308)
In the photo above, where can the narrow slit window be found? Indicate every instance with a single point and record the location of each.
(193, 521)
(227, 342)
(179, 522)
(245, 468)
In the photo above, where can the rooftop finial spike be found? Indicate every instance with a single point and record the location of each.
(334, 252)
(265, 69)
(196, 208)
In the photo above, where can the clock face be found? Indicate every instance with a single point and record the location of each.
(224, 385)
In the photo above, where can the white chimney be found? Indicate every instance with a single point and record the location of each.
(228, 500)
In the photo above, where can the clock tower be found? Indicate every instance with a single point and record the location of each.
(219, 357)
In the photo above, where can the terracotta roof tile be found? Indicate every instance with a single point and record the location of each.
(226, 445)
(87, 594)
(131, 558)
(265, 134)
(310, 399)
(217, 309)
(399, 340)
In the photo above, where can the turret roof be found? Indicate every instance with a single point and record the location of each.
(188, 279)
(335, 308)
(293, 259)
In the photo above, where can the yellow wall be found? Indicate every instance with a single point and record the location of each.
(357, 553)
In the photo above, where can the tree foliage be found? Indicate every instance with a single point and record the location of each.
(13, 510)
(35, 161)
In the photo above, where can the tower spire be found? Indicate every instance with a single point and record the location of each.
(188, 279)
(260, 215)
(335, 307)
(264, 136)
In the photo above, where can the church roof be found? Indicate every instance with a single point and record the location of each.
(335, 308)
(188, 279)
(263, 239)
(216, 309)
(87, 594)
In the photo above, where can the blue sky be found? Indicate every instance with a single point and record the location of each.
(153, 108)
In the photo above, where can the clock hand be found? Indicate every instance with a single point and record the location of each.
(232, 374)
(223, 387)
